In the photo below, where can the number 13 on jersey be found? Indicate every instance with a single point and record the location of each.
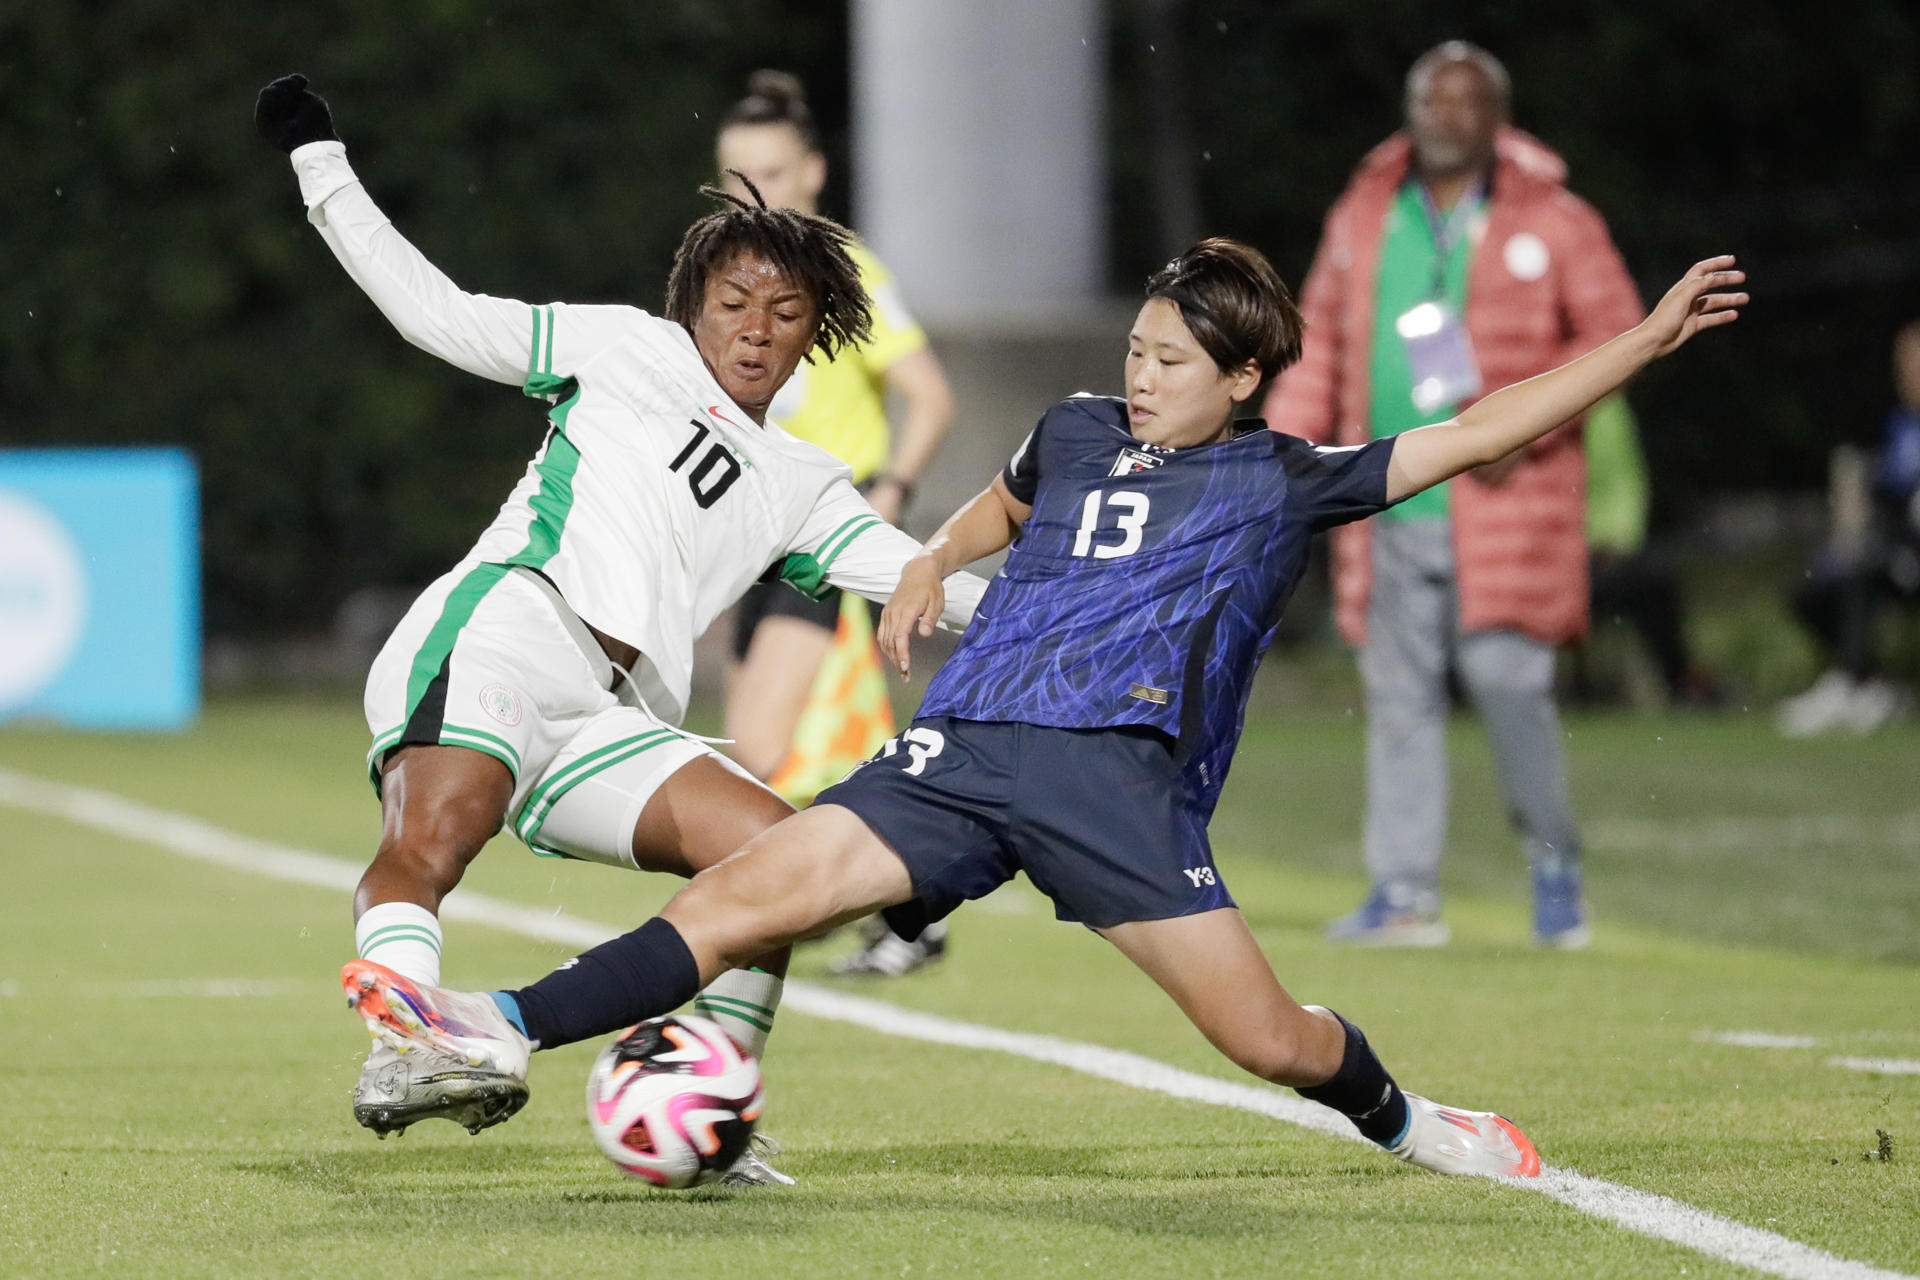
(1129, 514)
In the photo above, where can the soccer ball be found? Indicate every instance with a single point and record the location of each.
(674, 1101)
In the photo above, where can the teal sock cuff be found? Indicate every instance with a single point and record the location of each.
(511, 1008)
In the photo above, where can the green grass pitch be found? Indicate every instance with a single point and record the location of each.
(1739, 884)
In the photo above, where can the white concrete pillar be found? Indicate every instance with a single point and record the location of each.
(978, 147)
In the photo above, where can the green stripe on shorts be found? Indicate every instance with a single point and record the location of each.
(455, 614)
(455, 735)
(540, 801)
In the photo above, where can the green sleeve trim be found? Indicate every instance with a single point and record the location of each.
(547, 386)
(804, 574)
(841, 538)
(542, 382)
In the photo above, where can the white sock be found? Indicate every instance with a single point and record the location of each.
(403, 936)
(742, 1001)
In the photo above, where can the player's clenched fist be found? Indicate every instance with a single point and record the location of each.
(289, 115)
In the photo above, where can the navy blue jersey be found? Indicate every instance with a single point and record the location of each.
(1147, 582)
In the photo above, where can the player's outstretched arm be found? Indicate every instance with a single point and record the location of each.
(853, 548)
(491, 337)
(1515, 416)
(983, 526)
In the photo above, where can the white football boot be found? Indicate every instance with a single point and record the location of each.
(436, 1054)
(1453, 1140)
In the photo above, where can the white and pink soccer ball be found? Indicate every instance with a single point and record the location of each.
(674, 1100)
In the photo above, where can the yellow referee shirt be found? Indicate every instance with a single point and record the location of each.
(840, 404)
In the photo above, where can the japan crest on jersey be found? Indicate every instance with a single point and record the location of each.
(1132, 460)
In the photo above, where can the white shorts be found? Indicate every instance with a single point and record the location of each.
(486, 659)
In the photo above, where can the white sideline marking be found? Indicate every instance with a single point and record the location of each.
(1770, 1040)
(1639, 1211)
(1757, 1040)
(1879, 1066)
(217, 988)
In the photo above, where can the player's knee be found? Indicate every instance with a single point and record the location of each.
(720, 915)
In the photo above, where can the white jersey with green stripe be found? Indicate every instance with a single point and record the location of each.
(655, 501)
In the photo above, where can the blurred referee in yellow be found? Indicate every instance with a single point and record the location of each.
(801, 708)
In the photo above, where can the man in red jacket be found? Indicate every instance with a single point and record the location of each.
(1456, 263)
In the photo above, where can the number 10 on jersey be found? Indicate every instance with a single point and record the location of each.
(716, 471)
(1129, 516)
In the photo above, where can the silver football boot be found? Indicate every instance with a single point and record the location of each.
(397, 1089)
(753, 1169)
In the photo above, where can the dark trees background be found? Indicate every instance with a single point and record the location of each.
(160, 285)
(1786, 133)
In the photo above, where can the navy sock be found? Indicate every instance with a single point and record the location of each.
(636, 976)
(1362, 1091)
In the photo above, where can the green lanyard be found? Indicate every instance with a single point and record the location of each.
(1449, 230)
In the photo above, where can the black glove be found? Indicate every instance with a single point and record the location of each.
(289, 115)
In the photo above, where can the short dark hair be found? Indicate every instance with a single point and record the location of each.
(809, 249)
(775, 97)
(1235, 305)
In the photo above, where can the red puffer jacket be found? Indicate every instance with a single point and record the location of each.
(1546, 286)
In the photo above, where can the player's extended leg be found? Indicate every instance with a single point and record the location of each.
(439, 806)
(1215, 971)
(816, 870)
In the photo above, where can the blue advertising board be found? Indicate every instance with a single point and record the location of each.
(100, 587)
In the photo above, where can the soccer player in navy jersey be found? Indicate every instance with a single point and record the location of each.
(1083, 728)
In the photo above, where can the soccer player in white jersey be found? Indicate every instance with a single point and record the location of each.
(540, 682)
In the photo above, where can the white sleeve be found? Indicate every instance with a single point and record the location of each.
(844, 543)
(496, 338)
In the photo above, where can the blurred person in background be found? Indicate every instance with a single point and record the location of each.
(1628, 581)
(1456, 263)
(1871, 558)
(805, 697)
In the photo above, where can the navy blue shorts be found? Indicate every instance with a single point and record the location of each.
(1097, 818)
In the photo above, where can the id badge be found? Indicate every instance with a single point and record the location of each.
(1439, 355)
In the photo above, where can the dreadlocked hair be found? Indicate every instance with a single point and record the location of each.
(809, 249)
